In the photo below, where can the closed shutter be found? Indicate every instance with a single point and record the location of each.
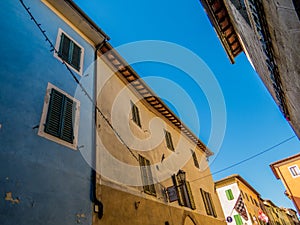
(67, 124)
(135, 114)
(69, 52)
(191, 198)
(195, 159)
(59, 121)
(169, 140)
(76, 54)
(229, 194)
(238, 220)
(64, 47)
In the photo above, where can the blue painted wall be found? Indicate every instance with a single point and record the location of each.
(51, 183)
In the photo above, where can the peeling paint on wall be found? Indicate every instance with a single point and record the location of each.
(80, 216)
(8, 197)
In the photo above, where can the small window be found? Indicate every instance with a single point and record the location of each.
(69, 51)
(242, 193)
(196, 163)
(238, 220)
(135, 114)
(60, 117)
(247, 197)
(294, 170)
(252, 200)
(255, 202)
(208, 203)
(229, 194)
(169, 140)
(147, 178)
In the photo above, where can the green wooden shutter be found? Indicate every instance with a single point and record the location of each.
(238, 220)
(64, 47)
(54, 114)
(67, 123)
(229, 194)
(76, 55)
(191, 198)
(59, 121)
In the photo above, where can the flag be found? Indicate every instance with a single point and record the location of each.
(240, 208)
(263, 217)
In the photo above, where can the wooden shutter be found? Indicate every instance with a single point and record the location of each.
(179, 193)
(76, 55)
(67, 123)
(196, 163)
(229, 194)
(190, 194)
(238, 220)
(169, 140)
(135, 114)
(204, 198)
(54, 115)
(64, 47)
(150, 178)
(59, 121)
(147, 177)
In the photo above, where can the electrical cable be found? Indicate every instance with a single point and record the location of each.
(247, 159)
(76, 80)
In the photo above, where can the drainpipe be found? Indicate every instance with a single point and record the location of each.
(98, 205)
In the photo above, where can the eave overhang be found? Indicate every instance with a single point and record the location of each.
(78, 18)
(220, 19)
(130, 76)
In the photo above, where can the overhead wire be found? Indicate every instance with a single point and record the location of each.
(246, 159)
(109, 123)
(76, 80)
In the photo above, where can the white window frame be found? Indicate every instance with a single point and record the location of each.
(57, 45)
(297, 170)
(41, 131)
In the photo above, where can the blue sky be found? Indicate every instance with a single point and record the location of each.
(254, 122)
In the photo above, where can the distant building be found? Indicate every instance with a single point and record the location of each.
(186, 195)
(268, 32)
(293, 216)
(232, 189)
(279, 215)
(287, 170)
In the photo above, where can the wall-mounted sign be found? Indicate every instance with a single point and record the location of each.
(229, 219)
(172, 193)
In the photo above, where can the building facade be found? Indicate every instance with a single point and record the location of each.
(234, 189)
(45, 121)
(287, 170)
(67, 160)
(151, 169)
(268, 33)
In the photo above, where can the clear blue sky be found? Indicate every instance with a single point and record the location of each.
(254, 122)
